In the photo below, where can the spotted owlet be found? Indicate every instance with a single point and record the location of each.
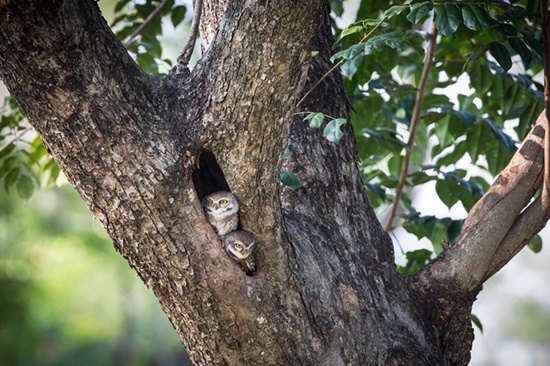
(239, 246)
(221, 210)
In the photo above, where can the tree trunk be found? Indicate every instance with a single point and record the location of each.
(143, 151)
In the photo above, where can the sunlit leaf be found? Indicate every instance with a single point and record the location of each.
(315, 119)
(332, 131)
(351, 30)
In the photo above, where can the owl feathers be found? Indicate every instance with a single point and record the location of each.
(221, 209)
(239, 246)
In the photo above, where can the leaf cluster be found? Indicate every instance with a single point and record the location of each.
(23, 163)
(492, 49)
(145, 45)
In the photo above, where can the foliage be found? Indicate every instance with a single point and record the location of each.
(493, 46)
(23, 163)
(146, 46)
(63, 290)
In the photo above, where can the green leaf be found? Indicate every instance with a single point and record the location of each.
(477, 322)
(447, 18)
(501, 54)
(522, 50)
(534, 43)
(395, 10)
(350, 67)
(506, 29)
(416, 260)
(419, 11)
(498, 13)
(475, 17)
(11, 178)
(395, 164)
(473, 136)
(352, 30)
(178, 15)
(315, 119)
(350, 52)
(332, 131)
(337, 7)
(481, 78)
(497, 156)
(442, 131)
(25, 186)
(447, 192)
(502, 137)
(120, 4)
(289, 179)
(535, 244)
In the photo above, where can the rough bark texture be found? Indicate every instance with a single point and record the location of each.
(143, 151)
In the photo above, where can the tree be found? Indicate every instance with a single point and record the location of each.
(143, 151)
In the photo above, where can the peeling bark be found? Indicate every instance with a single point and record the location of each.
(143, 151)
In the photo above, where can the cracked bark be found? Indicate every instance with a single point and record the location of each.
(142, 152)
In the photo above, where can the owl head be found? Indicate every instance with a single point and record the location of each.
(220, 205)
(239, 244)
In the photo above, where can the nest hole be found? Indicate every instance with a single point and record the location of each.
(208, 176)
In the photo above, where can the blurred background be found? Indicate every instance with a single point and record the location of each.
(67, 297)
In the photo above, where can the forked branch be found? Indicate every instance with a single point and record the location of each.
(185, 55)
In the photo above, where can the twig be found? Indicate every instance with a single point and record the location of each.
(546, 45)
(16, 137)
(337, 64)
(185, 55)
(414, 122)
(146, 21)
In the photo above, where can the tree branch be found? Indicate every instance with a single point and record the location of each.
(465, 265)
(185, 55)
(414, 122)
(16, 137)
(146, 21)
(546, 48)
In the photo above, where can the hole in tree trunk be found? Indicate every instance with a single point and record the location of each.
(208, 177)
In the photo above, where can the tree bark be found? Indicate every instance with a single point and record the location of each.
(143, 151)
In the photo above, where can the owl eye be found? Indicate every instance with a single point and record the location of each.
(210, 201)
(239, 246)
(223, 202)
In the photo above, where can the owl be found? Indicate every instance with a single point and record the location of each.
(221, 210)
(239, 246)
